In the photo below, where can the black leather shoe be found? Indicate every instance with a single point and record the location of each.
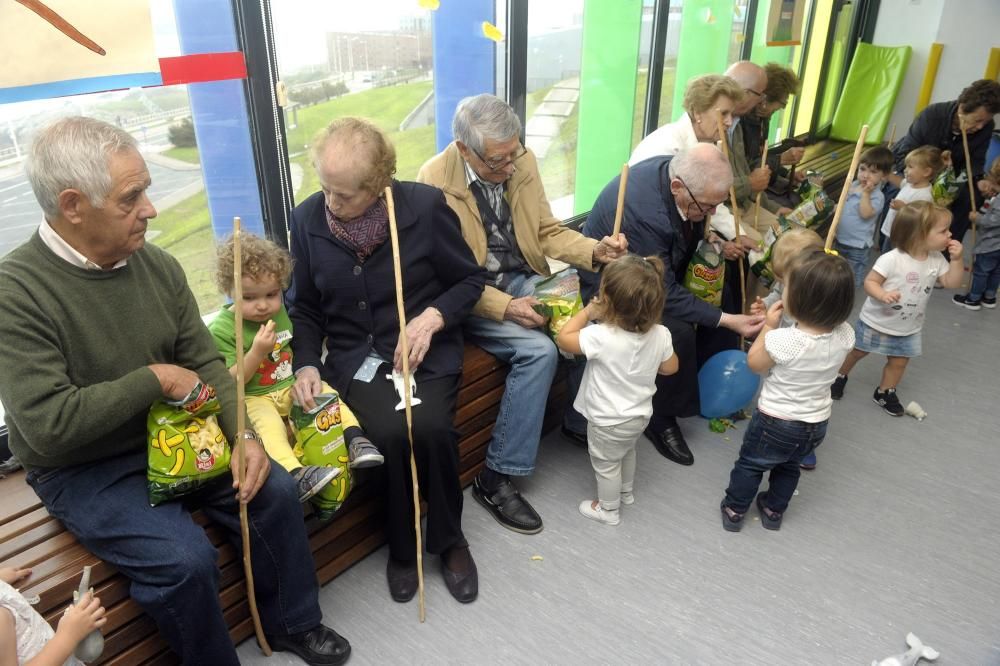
(320, 646)
(578, 438)
(507, 506)
(671, 445)
(403, 581)
(464, 587)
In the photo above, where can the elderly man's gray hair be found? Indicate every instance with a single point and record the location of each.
(703, 168)
(74, 153)
(484, 117)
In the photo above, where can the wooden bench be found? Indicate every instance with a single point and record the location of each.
(29, 537)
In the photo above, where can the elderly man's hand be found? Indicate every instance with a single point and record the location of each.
(307, 386)
(610, 248)
(176, 382)
(745, 325)
(258, 466)
(732, 250)
(419, 332)
(520, 311)
(759, 178)
(792, 156)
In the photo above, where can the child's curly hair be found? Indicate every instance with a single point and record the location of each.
(261, 259)
(927, 157)
(632, 293)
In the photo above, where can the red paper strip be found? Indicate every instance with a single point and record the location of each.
(203, 67)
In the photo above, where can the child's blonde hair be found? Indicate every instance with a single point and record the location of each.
(791, 246)
(926, 157)
(261, 259)
(914, 223)
(632, 293)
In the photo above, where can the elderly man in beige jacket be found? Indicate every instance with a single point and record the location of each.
(492, 182)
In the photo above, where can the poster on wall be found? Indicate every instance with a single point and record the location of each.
(784, 22)
(54, 48)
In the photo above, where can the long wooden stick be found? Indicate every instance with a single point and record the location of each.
(620, 209)
(756, 210)
(892, 136)
(240, 427)
(736, 222)
(405, 353)
(972, 190)
(839, 210)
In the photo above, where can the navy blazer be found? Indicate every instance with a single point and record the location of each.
(351, 305)
(933, 128)
(653, 226)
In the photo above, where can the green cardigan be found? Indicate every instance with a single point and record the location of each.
(76, 344)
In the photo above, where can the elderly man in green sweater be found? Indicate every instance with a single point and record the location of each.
(96, 326)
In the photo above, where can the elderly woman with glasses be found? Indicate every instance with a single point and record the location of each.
(666, 204)
(343, 296)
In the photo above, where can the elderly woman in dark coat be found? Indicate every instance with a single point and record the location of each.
(343, 294)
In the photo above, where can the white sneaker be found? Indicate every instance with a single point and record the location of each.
(599, 514)
(627, 497)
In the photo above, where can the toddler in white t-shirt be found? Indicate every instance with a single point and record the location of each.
(923, 164)
(898, 287)
(626, 348)
(794, 405)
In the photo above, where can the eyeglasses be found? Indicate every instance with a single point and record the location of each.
(503, 163)
(761, 95)
(704, 210)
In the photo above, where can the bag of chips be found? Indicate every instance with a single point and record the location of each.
(947, 186)
(706, 273)
(186, 446)
(815, 206)
(319, 440)
(560, 299)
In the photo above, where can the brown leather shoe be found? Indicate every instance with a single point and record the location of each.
(464, 587)
(402, 578)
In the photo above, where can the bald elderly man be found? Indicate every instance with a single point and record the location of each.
(666, 204)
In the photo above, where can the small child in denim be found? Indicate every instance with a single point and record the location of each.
(856, 232)
(794, 405)
(986, 265)
(626, 349)
(898, 288)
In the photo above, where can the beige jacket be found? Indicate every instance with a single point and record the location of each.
(538, 232)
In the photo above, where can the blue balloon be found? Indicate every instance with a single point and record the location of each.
(726, 383)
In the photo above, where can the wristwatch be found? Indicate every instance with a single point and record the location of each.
(251, 435)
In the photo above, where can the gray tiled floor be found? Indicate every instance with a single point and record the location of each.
(893, 532)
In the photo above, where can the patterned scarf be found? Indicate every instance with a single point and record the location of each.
(365, 233)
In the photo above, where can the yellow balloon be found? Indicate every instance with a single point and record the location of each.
(490, 31)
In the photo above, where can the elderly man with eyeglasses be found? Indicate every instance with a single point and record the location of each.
(666, 206)
(492, 183)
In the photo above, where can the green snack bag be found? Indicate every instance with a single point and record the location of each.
(560, 299)
(706, 273)
(319, 440)
(760, 262)
(947, 185)
(816, 205)
(186, 446)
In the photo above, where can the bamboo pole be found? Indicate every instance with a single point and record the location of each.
(240, 439)
(756, 210)
(620, 209)
(736, 222)
(972, 190)
(839, 210)
(405, 353)
(892, 136)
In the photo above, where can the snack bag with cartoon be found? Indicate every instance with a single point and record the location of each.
(947, 185)
(706, 273)
(186, 445)
(319, 440)
(560, 299)
(815, 206)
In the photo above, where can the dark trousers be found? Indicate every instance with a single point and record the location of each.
(169, 559)
(774, 445)
(436, 451)
(677, 394)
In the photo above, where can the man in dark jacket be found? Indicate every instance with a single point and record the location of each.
(666, 204)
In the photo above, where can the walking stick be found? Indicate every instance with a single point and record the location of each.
(622, 182)
(240, 426)
(892, 136)
(736, 221)
(405, 353)
(839, 210)
(756, 210)
(972, 190)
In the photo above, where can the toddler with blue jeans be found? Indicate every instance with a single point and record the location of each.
(986, 265)
(856, 232)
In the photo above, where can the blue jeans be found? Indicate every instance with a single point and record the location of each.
(533, 359)
(775, 445)
(857, 257)
(985, 276)
(171, 562)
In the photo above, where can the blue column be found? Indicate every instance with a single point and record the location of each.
(463, 59)
(221, 125)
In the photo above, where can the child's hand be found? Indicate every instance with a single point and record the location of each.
(896, 204)
(974, 215)
(773, 319)
(868, 187)
(10, 575)
(946, 157)
(82, 618)
(954, 250)
(757, 307)
(890, 297)
(263, 342)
